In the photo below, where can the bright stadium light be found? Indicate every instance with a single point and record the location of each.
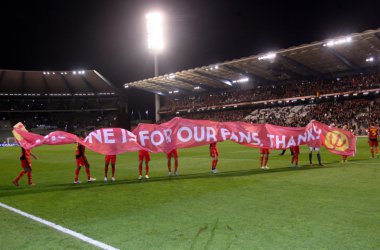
(154, 23)
(197, 87)
(370, 59)
(332, 43)
(267, 56)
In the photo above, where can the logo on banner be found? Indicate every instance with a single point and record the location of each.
(337, 141)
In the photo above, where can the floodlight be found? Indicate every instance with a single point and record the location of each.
(370, 59)
(267, 56)
(154, 23)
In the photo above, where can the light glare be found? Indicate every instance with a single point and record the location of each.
(155, 31)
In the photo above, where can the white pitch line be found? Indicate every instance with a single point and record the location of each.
(60, 228)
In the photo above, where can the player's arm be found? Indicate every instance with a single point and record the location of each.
(33, 155)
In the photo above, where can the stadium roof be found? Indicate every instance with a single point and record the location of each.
(352, 54)
(54, 83)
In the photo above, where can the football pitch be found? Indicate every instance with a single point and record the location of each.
(242, 207)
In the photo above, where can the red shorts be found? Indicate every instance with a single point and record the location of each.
(173, 153)
(82, 161)
(373, 143)
(144, 154)
(26, 164)
(264, 151)
(214, 152)
(295, 149)
(110, 158)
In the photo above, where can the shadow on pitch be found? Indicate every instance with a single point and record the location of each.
(25, 190)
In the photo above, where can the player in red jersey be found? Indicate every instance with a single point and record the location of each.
(295, 153)
(26, 164)
(109, 159)
(344, 157)
(264, 156)
(81, 160)
(143, 154)
(373, 139)
(170, 155)
(214, 153)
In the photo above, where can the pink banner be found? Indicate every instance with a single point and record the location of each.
(186, 133)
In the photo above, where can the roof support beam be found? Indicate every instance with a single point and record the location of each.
(23, 82)
(89, 85)
(247, 73)
(344, 60)
(377, 34)
(165, 85)
(69, 88)
(282, 68)
(215, 78)
(47, 88)
(295, 63)
(1, 78)
(118, 90)
(149, 90)
(208, 88)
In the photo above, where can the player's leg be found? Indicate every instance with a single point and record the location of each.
(311, 156)
(169, 158)
(113, 166)
(176, 165)
(262, 161)
(147, 168)
(319, 157)
(77, 170)
(377, 149)
(140, 169)
(106, 164)
(295, 159)
(29, 173)
(266, 157)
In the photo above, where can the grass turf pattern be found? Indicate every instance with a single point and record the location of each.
(242, 207)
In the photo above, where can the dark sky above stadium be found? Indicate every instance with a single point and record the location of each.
(110, 35)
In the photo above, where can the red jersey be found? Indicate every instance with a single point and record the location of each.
(25, 158)
(80, 151)
(213, 150)
(373, 133)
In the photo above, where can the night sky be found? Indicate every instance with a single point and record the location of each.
(110, 35)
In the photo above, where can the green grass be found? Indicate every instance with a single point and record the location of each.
(242, 207)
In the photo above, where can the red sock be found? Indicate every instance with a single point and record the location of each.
(266, 160)
(175, 165)
(213, 164)
(261, 160)
(377, 151)
(77, 170)
(113, 170)
(296, 160)
(20, 175)
(169, 165)
(105, 171)
(140, 168)
(216, 163)
(372, 152)
(147, 169)
(88, 173)
(30, 177)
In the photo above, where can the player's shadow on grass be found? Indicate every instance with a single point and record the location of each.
(13, 191)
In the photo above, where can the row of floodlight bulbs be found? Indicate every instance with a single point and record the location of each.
(75, 72)
(56, 94)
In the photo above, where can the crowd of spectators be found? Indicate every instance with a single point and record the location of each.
(275, 91)
(356, 113)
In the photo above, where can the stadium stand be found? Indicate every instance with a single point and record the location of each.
(66, 100)
(333, 81)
